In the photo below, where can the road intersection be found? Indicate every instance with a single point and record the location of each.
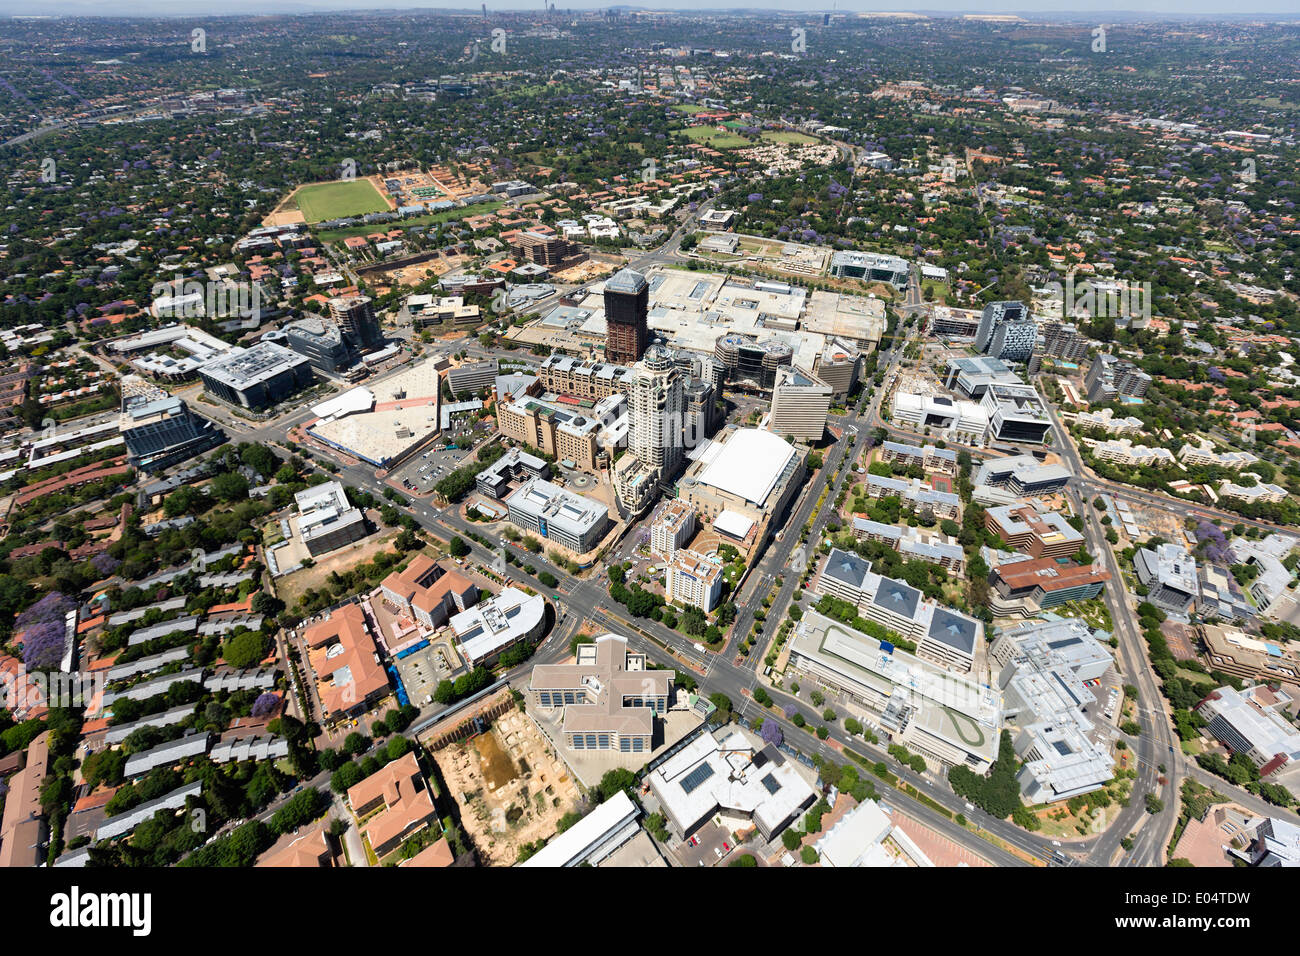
(1159, 761)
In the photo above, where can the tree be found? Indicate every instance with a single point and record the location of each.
(259, 458)
(246, 649)
(457, 547)
(346, 777)
(548, 579)
(613, 781)
(723, 704)
(229, 486)
(300, 809)
(266, 604)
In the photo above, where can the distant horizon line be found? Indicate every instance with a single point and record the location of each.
(306, 8)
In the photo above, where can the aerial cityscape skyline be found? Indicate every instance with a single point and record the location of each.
(670, 439)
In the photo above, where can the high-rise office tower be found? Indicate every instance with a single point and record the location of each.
(159, 429)
(357, 321)
(800, 404)
(627, 301)
(1063, 341)
(1110, 377)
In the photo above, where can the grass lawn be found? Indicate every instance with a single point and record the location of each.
(788, 136)
(709, 136)
(339, 200)
(690, 110)
(433, 218)
(1196, 677)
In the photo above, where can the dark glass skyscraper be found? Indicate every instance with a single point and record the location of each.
(627, 302)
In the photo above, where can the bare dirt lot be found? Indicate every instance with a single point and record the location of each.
(511, 787)
(291, 587)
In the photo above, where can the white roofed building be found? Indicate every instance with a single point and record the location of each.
(726, 772)
(489, 627)
(753, 474)
(326, 519)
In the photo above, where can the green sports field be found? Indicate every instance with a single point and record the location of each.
(709, 136)
(338, 200)
(788, 136)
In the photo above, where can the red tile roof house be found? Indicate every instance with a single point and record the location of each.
(407, 805)
(342, 655)
(429, 592)
(23, 827)
(434, 855)
(310, 849)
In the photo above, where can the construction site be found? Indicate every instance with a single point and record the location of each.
(511, 787)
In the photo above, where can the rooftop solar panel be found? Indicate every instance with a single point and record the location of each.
(696, 777)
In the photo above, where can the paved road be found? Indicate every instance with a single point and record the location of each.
(588, 600)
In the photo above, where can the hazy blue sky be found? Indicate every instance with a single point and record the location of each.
(1063, 8)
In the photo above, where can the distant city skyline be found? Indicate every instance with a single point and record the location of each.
(1076, 8)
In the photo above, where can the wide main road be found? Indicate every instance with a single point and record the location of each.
(1158, 746)
(588, 600)
(1155, 745)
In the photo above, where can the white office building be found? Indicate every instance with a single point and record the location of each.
(1252, 722)
(1168, 572)
(1045, 667)
(558, 515)
(489, 627)
(670, 529)
(693, 580)
(942, 635)
(728, 773)
(947, 718)
(326, 519)
(952, 418)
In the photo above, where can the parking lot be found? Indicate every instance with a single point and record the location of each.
(422, 671)
(710, 845)
(422, 472)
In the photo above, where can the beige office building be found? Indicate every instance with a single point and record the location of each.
(800, 404)
(838, 366)
(565, 375)
(609, 697)
(567, 436)
(671, 528)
